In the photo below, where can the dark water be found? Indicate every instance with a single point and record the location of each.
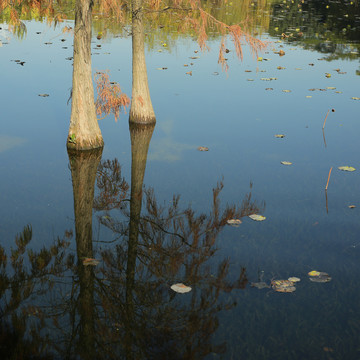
(124, 307)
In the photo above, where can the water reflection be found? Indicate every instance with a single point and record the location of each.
(56, 306)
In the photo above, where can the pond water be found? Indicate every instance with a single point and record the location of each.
(236, 114)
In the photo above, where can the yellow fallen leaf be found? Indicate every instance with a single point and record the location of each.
(257, 217)
(314, 273)
(346, 168)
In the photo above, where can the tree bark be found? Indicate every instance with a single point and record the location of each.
(84, 131)
(141, 110)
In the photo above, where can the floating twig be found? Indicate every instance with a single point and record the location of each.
(324, 136)
(326, 118)
(327, 184)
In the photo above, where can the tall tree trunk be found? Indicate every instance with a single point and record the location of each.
(140, 140)
(83, 172)
(141, 110)
(84, 131)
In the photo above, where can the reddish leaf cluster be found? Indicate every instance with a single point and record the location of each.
(110, 98)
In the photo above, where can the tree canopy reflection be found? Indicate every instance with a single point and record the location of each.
(124, 307)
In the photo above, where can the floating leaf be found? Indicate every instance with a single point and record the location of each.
(203, 148)
(90, 261)
(285, 286)
(321, 278)
(280, 136)
(314, 273)
(286, 162)
(294, 279)
(260, 285)
(234, 222)
(257, 217)
(180, 288)
(346, 168)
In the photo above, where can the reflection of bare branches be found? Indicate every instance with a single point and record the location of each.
(114, 188)
(172, 244)
(29, 275)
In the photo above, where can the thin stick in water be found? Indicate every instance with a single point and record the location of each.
(327, 184)
(326, 118)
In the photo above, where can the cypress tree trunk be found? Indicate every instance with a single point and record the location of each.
(84, 131)
(141, 110)
(83, 172)
(140, 140)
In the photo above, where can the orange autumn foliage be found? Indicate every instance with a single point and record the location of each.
(110, 98)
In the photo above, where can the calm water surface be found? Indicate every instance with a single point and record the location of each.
(236, 115)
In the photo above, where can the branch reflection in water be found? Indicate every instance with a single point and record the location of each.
(123, 307)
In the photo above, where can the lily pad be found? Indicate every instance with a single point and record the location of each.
(257, 217)
(286, 163)
(346, 168)
(180, 288)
